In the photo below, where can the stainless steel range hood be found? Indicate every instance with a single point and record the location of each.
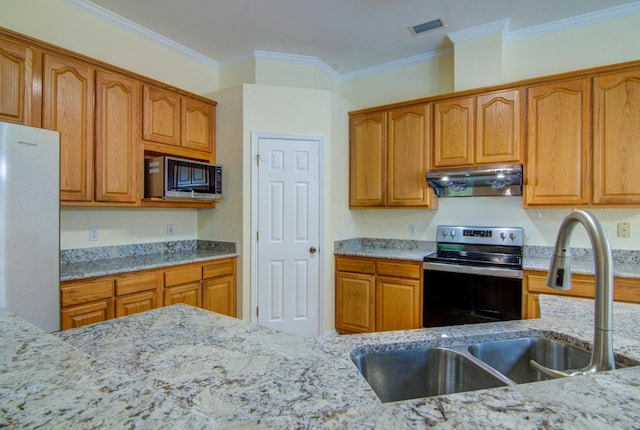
(496, 180)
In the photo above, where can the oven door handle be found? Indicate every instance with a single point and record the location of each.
(473, 270)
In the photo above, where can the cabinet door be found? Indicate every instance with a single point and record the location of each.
(16, 80)
(68, 90)
(367, 158)
(160, 116)
(218, 295)
(198, 120)
(134, 303)
(117, 128)
(398, 303)
(558, 153)
(616, 139)
(453, 133)
(355, 302)
(78, 316)
(189, 294)
(498, 131)
(408, 156)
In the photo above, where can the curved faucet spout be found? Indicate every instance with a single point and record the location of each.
(559, 277)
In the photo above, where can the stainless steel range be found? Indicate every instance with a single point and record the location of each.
(474, 276)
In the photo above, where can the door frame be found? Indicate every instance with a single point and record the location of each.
(319, 139)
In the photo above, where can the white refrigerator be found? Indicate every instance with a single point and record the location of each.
(30, 224)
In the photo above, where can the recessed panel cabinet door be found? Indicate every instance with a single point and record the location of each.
(160, 116)
(117, 128)
(367, 155)
(498, 131)
(558, 145)
(355, 302)
(68, 90)
(198, 119)
(408, 156)
(16, 79)
(453, 133)
(616, 139)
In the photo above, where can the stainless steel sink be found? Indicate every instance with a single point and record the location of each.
(512, 357)
(407, 374)
(412, 373)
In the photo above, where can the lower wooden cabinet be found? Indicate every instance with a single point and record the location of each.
(534, 284)
(218, 287)
(377, 295)
(210, 285)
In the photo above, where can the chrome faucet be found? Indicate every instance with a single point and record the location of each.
(559, 277)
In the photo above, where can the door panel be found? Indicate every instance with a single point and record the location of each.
(288, 227)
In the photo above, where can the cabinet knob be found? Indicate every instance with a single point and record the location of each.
(313, 250)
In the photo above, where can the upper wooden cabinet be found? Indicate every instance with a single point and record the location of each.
(68, 101)
(559, 144)
(482, 129)
(180, 122)
(160, 116)
(499, 127)
(17, 62)
(453, 133)
(117, 128)
(389, 156)
(616, 139)
(368, 160)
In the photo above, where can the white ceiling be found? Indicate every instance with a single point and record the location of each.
(347, 35)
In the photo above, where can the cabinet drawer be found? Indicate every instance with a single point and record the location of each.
(582, 286)
(219, 268)
(128, 284)
(182, 276)
(84, 292)
(397, 268)
(358, 265)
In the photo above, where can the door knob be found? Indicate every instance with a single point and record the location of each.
(313, 250)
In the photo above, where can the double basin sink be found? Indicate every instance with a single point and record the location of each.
(403, 374)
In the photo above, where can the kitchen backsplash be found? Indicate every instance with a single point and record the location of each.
(123, 251)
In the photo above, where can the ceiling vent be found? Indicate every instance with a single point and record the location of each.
(426, 26)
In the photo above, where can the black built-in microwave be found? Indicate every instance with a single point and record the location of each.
(178, 178)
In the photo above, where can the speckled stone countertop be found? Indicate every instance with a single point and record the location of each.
(183, 367)
(102, 261)
(626, 263)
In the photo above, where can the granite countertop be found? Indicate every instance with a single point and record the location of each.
(183, 367)
(92, 262)
(626, 263)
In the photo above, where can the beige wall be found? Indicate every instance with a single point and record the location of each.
(404, 83)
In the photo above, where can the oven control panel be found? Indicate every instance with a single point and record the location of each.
(510, 236)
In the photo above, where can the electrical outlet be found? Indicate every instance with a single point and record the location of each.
(624, 229)
(171, 229)
(93, 234)
(412, 229)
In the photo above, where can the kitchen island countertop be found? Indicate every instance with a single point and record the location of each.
(183, 367)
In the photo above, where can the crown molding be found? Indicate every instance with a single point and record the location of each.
(574, 22)
(297, 59)
(129, 25)
(501, 26)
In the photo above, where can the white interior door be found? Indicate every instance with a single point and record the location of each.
(288, 222)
